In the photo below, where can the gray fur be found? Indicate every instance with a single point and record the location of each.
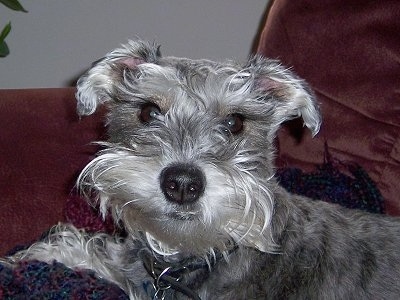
(257, 240)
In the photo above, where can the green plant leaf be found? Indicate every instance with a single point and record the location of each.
(14, 5)
(4, 51)
(6, 30)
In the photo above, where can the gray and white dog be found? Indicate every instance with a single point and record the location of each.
(188, 172)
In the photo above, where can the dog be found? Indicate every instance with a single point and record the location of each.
(188, 172)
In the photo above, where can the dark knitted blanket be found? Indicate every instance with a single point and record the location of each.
(38, 280)
(345, 184)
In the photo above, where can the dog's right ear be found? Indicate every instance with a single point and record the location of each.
(96, 86)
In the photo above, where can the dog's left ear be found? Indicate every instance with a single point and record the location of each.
(291, 97)
(97, 85)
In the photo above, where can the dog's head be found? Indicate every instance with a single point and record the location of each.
(190, 150)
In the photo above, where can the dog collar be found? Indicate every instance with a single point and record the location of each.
(168, 276)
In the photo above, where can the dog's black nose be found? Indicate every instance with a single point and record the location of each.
(182, 183)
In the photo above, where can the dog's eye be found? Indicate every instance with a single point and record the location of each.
(149, 112)
(234, 123)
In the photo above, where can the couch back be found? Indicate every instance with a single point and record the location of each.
(43, 146)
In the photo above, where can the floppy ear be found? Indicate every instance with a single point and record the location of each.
(96, 86)
(291, 96)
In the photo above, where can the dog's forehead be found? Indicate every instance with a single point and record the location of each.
(200, 67)
(201, 83)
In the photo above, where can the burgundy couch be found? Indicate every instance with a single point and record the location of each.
(43, 146)
(347, 50)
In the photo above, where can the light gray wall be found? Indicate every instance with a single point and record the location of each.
(58, 39)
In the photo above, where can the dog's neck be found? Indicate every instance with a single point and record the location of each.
(174, 272)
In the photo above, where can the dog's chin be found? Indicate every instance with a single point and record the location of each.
(183, 216)
(183, 212)
(185, 232)
(181, 228)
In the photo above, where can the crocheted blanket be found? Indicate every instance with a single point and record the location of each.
(345, 184)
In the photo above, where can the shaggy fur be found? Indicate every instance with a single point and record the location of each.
(188, 172)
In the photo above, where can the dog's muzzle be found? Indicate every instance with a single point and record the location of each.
(182, 183)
